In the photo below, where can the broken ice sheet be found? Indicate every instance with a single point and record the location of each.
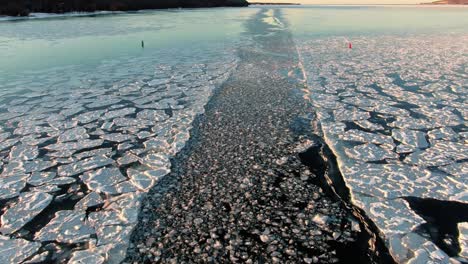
(29, 205)
(425, 110)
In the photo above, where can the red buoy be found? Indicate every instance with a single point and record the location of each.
(350, 45)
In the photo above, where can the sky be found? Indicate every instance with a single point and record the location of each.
(346, 1)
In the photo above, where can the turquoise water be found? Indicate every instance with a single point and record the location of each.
(41, 44)
(314, 21)
(85, 42)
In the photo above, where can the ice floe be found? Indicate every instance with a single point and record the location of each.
(393, 110)
(16, 250)
(78, 152)
(66, 227)
(28, 206)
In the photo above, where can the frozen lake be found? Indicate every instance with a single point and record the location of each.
(90, 119)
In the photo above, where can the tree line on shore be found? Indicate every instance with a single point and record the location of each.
(24, 7)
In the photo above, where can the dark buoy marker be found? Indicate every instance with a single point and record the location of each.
(142, 44)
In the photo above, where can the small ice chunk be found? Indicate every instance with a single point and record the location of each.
(99, 179)
(119, 210)
(90, 200)
(62, 181)
(117, 137)
(66, 227)
(39, 258)
(104, 102)
(46, 188)
(4, 135)
(155, 115)
(6, 144)
(119, 113)
(370, 152)
(73, 134)
(352, 114)
(428, 158)
(38, 165)
(86, 256)
(366, 124)
(11, 186)
(141, 179)
(113, 234)
(402, 148)
(24, 152)
(156, 144)
(39, 178)
(156, 160)
(89, 117)
(361, 136)
(84, 165)
(320, 219)
(445, 133)
(463, 238)
(410, 137)
(120, 188)
(94, 152)
(82, 144)
(127, 158)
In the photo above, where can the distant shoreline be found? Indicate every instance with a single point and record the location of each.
(447, 2)
(256, 3)
(22, 8)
